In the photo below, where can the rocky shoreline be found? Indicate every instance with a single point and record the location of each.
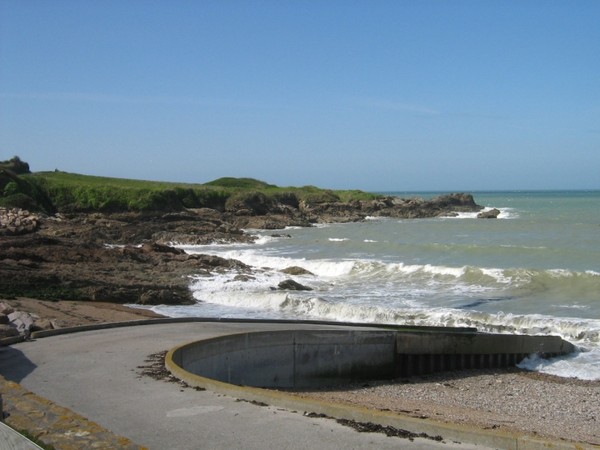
(128, 258)
(67, 257)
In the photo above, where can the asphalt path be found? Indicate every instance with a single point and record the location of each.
(97, 374)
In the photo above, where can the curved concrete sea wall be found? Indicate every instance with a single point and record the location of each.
(310, 358)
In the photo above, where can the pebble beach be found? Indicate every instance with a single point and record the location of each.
(509, 399)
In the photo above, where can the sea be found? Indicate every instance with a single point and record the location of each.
(533, 270)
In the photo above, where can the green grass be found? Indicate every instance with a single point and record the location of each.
(74, 192)
(70, 192)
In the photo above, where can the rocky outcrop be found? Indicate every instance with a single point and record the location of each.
(259, 213)
(129, 257)
(70, 268)
(414, 208)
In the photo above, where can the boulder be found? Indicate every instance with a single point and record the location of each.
(295, 270)
(491, 214)
(5, 309)
(22, 321)
(291, 285)
(8, 331)
(162, 297)
(42, 325)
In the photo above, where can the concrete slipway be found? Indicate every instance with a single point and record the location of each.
(96, 373)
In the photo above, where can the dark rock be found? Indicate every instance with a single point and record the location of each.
(214, 261)
(491, 214)
(162, 297)
(67, 256)
(160, 248)
(243, 278)
(291, 285)
(249, 203)
(295, 270)
(8, 331)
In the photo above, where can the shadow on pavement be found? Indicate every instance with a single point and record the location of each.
(14, 365)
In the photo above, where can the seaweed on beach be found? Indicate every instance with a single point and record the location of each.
(370, 427)
(155, 368)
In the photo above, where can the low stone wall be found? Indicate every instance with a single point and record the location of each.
(53, 425)
(309, 358)
(15, 221)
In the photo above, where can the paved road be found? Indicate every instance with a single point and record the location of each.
(96, 374)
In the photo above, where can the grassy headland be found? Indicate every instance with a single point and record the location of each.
(70, 192)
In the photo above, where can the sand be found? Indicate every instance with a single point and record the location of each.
(75, 313)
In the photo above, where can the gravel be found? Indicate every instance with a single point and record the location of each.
(508, 399)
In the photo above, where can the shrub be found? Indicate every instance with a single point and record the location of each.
(15, 165)
(239, 183)
(323, 196)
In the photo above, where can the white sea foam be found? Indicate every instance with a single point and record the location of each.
(263, 239)
(582, 365)
(463, 215)
(224, 295)
(468, 279)
(505, 213)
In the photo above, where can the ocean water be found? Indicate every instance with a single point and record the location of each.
(534, 270)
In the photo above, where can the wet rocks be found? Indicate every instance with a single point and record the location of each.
(291, 285)
(489, 214)
(128, 257)
(295, 270)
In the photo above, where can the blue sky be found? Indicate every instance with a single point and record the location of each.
(375, 95)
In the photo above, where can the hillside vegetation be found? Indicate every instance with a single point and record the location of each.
(58, 191)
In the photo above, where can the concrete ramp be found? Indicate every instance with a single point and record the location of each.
(310, 358)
